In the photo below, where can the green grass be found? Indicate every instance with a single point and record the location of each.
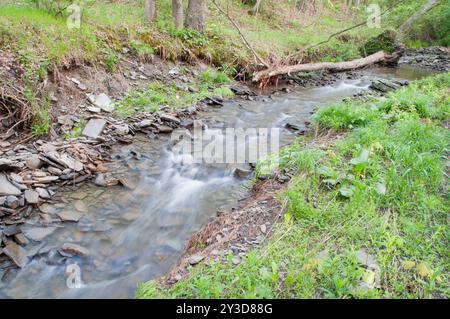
(45, 37)
(276, 32)
(157, 95)
(42, 41)
(382, 188)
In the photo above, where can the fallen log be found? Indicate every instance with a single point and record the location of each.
(379, 57)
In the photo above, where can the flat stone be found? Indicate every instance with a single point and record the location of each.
(130, 215)
(103, 102)
(54, 171)
(263, 228)
(31, 196)
(38, 233)
(2, 200)
(16, 178)
(43, 193)
(94, 109)
(100, 180)
(39, 174)
(81, 206)
(11, 230)
(127, 183)
(47, 209)
(365, 258)
(65, 120)
(94, 128)
(70, 216)
(82, 87)
(7, 188)
(75, 249)
(8, 165)
(145, 123)
(71, 163)
(169, 118)
(47, 179)
(79, 195)
(195, 259)
(21, 239)
(48, 148)
(34, 162)
(17, 254)
(164, 129)
(121, 129)
(12, 202)
(236, 260)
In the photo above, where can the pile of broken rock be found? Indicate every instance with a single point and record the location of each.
(30, 174)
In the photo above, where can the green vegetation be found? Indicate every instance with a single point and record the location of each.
(381, 188)
(77, 130)
(151, 98)
(278, 31)
(433, 28)
(386, 41)
(37, 32)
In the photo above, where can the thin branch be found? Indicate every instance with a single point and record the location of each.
(247, 44)
(349, 28)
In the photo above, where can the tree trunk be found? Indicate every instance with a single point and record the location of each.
(329, 66)
(177, 13)
(407, 25)
(150, 10)
(196, 13)
(254, 11)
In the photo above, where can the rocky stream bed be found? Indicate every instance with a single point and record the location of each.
(118, 202)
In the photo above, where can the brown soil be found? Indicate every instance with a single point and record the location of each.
(67, 98)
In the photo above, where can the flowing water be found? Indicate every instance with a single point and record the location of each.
(136, 235)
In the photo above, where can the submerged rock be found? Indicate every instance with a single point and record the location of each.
(70, 216)
(38, 233)
(241, 173)
(75, 249)
(17, 254)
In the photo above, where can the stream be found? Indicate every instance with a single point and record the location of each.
(135, 235)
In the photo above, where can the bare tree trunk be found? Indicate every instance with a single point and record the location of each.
(329, 66)
(177, 13)
(255, 9)
(196, 13)
(150, 10)
(407, 25)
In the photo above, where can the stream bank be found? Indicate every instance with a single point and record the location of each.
(350, 228)
(169, 202)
